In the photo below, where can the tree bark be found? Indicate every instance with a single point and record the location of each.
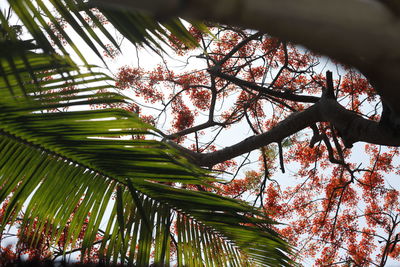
(352, 126)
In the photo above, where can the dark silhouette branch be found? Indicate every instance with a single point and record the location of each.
(353, 127)
(265, 91)
(292, 124)
(238, 47)
(282, 164)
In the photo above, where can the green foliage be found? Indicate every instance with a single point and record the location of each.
(46, 22)
(66, 168)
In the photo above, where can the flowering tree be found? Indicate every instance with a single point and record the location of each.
(20, 242)
(339, 212)
(340, 209)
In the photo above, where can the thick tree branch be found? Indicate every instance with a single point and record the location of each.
(353, 127)
(294, 123)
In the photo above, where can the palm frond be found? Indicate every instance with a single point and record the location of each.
(63, 169)
(46, 22)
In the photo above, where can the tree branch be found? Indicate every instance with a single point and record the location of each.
(292, 124)
(353, 127)
(238, 47)
(265, 91)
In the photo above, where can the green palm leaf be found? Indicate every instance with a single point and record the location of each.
(46, 20)
(59, 164)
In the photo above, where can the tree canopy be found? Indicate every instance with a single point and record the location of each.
(254, 75)
(361, 34)
(295, 117)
